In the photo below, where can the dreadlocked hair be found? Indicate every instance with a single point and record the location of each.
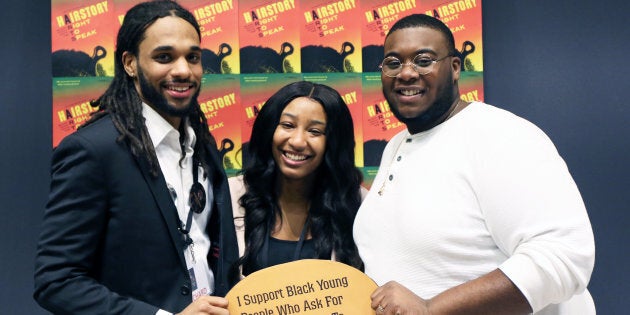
(122, 103)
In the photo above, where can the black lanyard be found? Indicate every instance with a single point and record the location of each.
(197, 199)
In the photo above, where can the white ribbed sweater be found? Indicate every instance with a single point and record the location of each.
(483, 190)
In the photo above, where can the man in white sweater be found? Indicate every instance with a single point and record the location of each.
(472, 211)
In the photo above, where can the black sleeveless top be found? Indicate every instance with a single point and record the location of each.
(283, 251)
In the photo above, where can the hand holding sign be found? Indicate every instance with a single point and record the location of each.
(308, 286)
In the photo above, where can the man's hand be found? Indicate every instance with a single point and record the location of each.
(210, 305)
(394, 299)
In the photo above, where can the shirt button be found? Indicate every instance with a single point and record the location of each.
(391, 177)
(185, 290)
(399, 158)
(408, 140)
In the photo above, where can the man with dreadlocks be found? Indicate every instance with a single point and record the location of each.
(139, 219)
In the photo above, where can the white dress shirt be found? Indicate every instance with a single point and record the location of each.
(177, 172)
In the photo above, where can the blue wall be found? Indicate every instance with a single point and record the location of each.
(561, 64)
(564, 66)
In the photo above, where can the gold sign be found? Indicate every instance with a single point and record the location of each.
(308, 286)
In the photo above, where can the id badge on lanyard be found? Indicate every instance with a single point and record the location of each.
(198, 279)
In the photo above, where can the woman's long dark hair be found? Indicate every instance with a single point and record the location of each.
(122, 102)
(336, 196)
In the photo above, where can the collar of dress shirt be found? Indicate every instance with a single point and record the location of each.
(159, 129)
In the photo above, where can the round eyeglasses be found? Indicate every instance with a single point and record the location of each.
(422, 64)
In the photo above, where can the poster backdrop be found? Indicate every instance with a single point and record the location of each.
(251, 48)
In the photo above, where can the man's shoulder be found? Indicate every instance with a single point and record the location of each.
(489, 125)
(100, 133)
(98, 127)
(237, 186)
(491, 116)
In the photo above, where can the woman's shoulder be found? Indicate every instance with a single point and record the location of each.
(237, 183)
(363, 191)
(237, 190)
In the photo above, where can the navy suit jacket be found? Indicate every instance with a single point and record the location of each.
(109, 242)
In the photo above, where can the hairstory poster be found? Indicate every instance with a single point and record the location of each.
(252, 48)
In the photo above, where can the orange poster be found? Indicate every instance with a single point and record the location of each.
(379, 123)
(120, 9)
(71, 103)
(269, 36)
(82, 38)
(255, 90)
(464, 20)
(330, 36)
(377, 17)
(220, 101)
(349, 87)
(218, 21)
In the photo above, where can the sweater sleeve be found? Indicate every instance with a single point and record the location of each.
(535, 213)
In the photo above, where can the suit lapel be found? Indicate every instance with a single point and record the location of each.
(214, 223)
(216, 168)
(224, 252)
(164, 202)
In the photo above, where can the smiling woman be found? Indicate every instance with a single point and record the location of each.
(299, 142)
(300, 190)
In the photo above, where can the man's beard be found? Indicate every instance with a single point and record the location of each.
(429, 118)
(156, 100)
